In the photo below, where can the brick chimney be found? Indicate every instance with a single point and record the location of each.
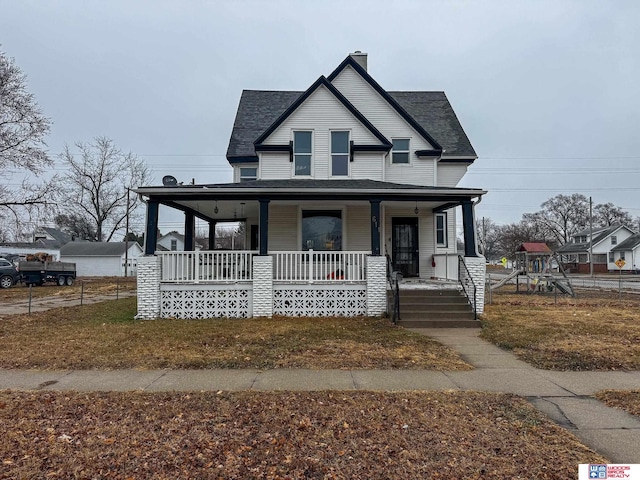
(360, 58)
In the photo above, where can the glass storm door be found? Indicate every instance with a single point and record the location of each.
(404, 246)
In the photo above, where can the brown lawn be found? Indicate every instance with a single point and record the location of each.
(325, 435)
(594, 331)
(89, 286)
(105, 336)
(626, 400)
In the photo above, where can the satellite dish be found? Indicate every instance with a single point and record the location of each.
(169, 181)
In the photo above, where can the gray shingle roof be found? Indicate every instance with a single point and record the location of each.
(94, 249)
(602, 233)
(347, 184)
(629, 244)
(258, 109)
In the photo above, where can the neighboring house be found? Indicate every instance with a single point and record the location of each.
(328, 182)
(575, 254)
(629, 251)
(174, 242)
(45, 239)
(102, 259)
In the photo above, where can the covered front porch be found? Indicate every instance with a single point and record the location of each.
(313, 248)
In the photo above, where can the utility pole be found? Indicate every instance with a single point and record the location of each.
(590, 236)
(126, 239)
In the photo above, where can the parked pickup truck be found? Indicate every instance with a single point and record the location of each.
(37, 273)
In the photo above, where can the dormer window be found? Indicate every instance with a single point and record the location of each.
(302, 153)
(400, 150)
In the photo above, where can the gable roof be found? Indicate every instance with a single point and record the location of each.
(322, 81)
(351, 62)
(258, 110)
(95, 249)
(534, 247)
(629, 244)
(599, 234)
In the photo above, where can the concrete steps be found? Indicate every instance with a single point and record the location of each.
(435, 309)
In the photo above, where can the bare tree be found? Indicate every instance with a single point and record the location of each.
(96, 185)
(564, 215)
(76, 226)
(607, 214)
(488, 237)
(23, 154)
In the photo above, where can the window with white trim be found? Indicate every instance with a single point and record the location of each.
(622, 256)
(302, 153)
(612, 257)
(441, 230)
(614, 240)
(248, 173)
(400, 150)
(339, 154)
(174, 245)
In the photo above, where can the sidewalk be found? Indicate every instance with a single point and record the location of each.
(563, 396)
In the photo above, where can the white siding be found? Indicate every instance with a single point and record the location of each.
(283, 227)
(419, 172)
(274, 166)
(358, 229)
(321, 112)
(378, 111)
(96, 266)
(450, 174)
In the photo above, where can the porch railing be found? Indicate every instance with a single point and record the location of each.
(446, 266)
(207, 266)
(310, 266)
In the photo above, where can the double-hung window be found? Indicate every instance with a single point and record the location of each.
(339, 154)
(400, 150)
(614, 240)
(248, 173)
(612, 257)
(441, 229)
(302, 153)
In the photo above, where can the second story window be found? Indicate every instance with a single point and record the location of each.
(248, 173)
(339, 154)
(400, 151)
(614, 240)
(302, 153)
(174, 245)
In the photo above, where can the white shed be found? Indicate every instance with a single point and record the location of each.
(101, 259)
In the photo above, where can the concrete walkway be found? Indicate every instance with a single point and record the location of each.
(563, 396)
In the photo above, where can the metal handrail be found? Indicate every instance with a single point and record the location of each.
(465, 283)
(393, 282)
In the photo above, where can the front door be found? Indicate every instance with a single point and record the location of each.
(404, 246)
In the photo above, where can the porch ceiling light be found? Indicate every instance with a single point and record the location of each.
(215, 210)
(416, 210)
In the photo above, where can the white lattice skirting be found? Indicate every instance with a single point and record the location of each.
(319, 300)
(191, 301)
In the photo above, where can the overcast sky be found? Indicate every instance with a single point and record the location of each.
(547, 91)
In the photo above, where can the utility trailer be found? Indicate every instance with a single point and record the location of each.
(37, 273)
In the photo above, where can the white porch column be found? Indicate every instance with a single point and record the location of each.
(477, 267)
(263, 286)
(149, 274)
(376, 285)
